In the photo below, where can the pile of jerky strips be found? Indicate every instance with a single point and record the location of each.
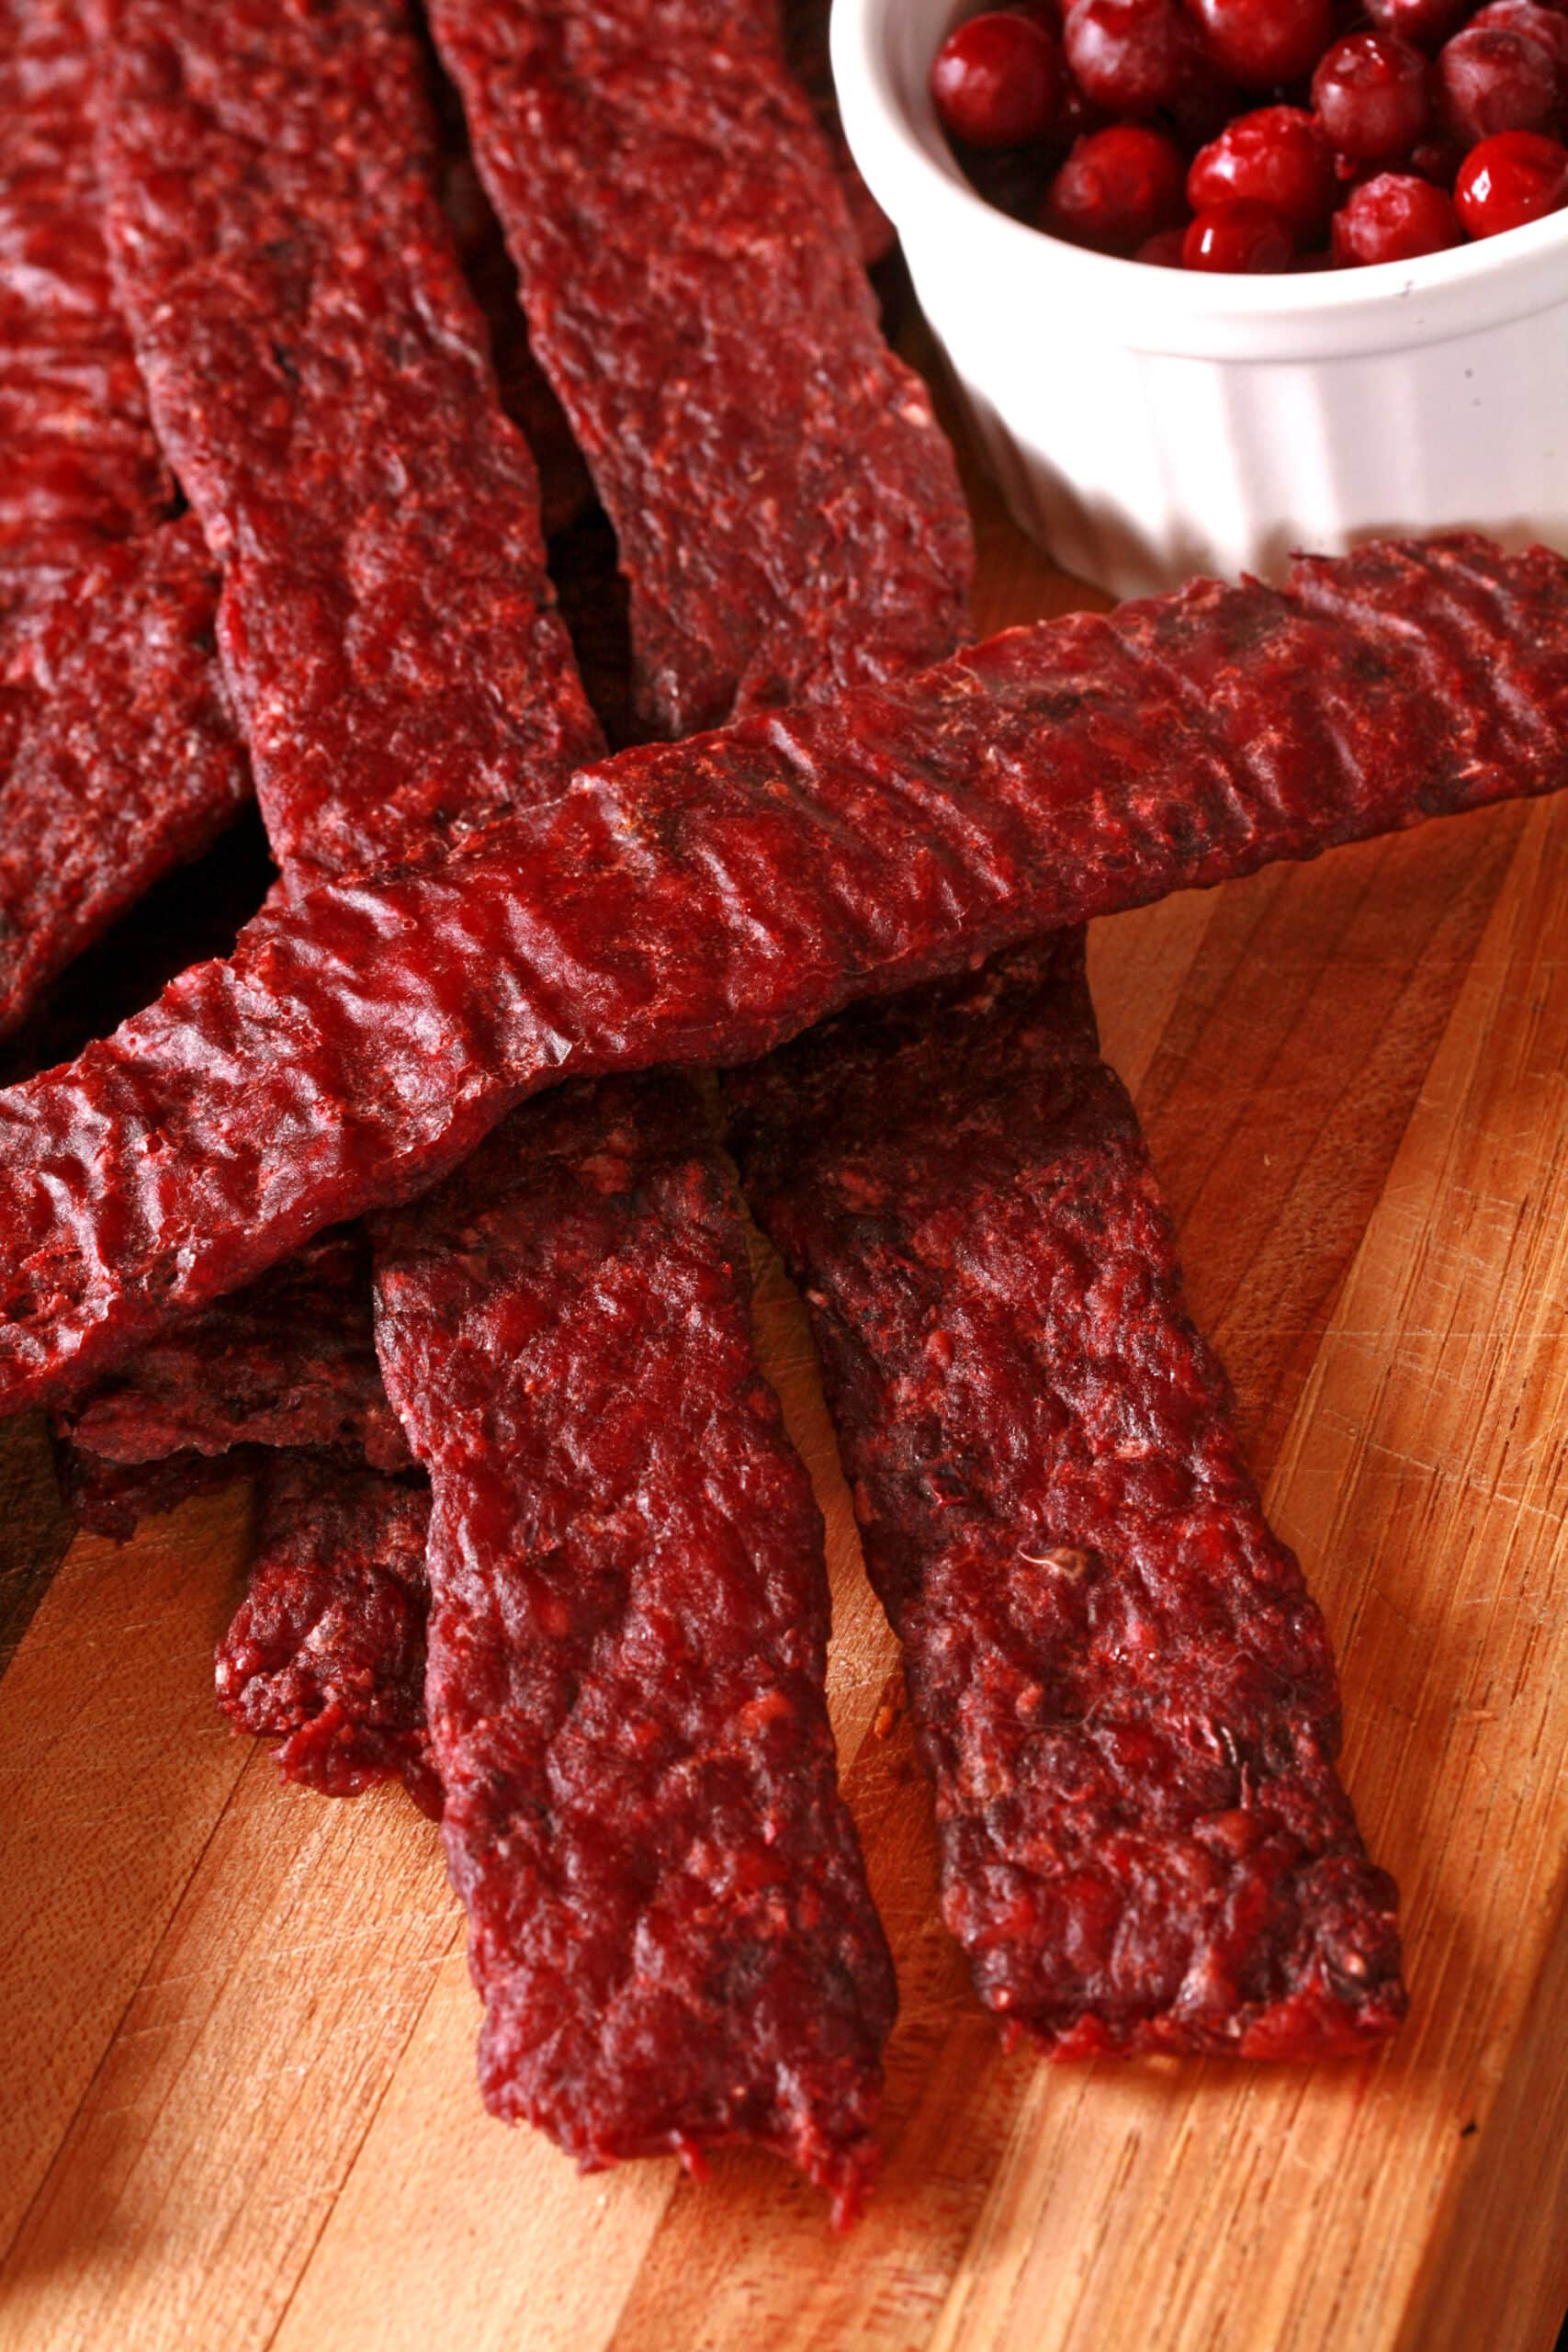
(531, 1535)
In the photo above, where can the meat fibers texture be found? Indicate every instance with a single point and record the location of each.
(701, 903)
(1119, 1687)
(319, 376)
(112, 1499)
(695, 293)
(326, 1652)
(669, 1918)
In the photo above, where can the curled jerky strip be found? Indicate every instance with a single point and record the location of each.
(701, 902)
(1119, 1687)
(695, 293)
(669, 1918)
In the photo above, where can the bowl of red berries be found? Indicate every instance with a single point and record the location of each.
(1219, 279)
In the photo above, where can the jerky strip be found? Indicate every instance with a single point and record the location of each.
(118, 758)
(319, 376)
(288, 1362)
(701, 902)
(669, 1921)
(83, 470)
(1119, 1687)
(805, 50)
(695, 294)
(112, 1499)
(326, 1652)
(117, 755)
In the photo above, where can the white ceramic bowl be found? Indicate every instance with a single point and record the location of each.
(1145, 423)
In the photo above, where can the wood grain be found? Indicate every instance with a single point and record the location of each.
(236, 2076)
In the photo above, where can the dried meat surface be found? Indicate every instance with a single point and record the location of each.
(319, 376)
(701, 902)
(1120, 1686)
(695, 294)
(118, 758)
(112, 1499)
(669, 1919)
(290, 1361)
(326, 1652)
(117, 754)
(82, 468)
(806, 51)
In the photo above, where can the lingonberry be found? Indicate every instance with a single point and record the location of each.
(1262, 44)
(1373, 93)
(1394, 218)
(1493, 80)
(1116, 188)
(1515, 177)
(997, 80)
(1239, 236)
(1276, 156)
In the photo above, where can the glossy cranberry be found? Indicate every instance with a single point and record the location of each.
(1163, 249)
(1506, 181)
(1373, 93)
(1116, 188)
(1277, 157)
(1425, 24)
(1262, 43)
(1238, 237)
(1493, 80)
(1394, 218)
(997, 79)
(1128, 56)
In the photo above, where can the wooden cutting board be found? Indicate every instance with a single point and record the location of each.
(237, 2103)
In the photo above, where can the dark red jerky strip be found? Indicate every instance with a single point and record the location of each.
(669, 1918)
(290, 1361)
(1120, 1686)
(805, 53)
(82, 470)
(326, 1652)
(113, 1498)
(695, 293)
(318, 373)
(119, 759)
(701, 903)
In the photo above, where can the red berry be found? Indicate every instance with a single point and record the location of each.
(1394, 218)
(997, 79)
(1116, 188)
(1128, 56)
(1262, 43)
(1425, 24)
(1277, 157)
(1493, 80)
(1544, 24)
(1509, 180)
(1163, 249)
(1238, 237)
(1373, 95)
